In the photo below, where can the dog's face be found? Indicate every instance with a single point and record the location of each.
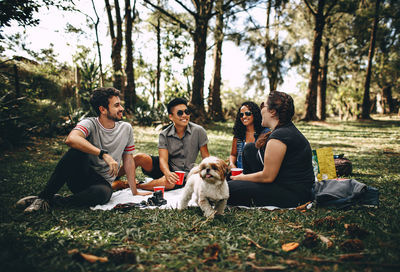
(213, 170)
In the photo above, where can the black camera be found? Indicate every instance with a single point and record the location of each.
(156, 200)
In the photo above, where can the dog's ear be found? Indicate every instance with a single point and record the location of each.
(225, 167)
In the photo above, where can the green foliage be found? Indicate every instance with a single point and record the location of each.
(36, 108)
(89, 78)
(231, 101)
(146, 115)
(172, 240)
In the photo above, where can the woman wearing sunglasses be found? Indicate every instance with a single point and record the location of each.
(278, 167)
(247, 128)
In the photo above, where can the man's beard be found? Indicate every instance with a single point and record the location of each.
(114, 118)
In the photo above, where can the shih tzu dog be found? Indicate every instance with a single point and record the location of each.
(208, 183)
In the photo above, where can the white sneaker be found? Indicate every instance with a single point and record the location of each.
(26, 201)
(38, 204)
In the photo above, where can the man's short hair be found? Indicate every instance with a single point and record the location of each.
(100, 97)
(174, 102)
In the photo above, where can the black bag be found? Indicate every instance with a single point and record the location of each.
(343, 166)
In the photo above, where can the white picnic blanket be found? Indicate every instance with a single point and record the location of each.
(173, 197)
(125, 196)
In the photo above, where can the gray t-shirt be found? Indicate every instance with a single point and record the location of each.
(117, 141)
(182, 152)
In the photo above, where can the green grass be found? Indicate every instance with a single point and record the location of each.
(171, 240)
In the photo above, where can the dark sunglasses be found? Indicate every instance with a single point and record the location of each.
(262, 105)
(247, 113)
(180, 112)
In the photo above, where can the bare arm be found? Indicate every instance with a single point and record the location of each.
(273, 157)
(204, 151)
(170, 176)
(129, 167)
(233, 156)
(76, 139)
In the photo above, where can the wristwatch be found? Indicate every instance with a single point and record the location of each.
(102, 152)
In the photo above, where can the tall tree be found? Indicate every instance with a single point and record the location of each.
(366, 105)
(214, 96)
(320, 14)
(201, 15)
(201, 12)
(158, 73)
(265, 45)
(129, 88)
(274, 53)
(116, 42)
(96, 28)
(322, 83)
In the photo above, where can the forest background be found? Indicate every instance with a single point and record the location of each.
(346, 52)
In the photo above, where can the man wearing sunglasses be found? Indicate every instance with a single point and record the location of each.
(178, 147)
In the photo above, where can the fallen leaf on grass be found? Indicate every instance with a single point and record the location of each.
(310, 234)
(303, 207)
(122, 255)
(352, 245)
(355, 230)
(310, 240)
(266, 268)
(329, 222)
(290, 246)
(251, 242)
(293, 226)
(211, 252)
(291, 262)
(86, 257)
(251, 256)
(351, 257)
(325, 240)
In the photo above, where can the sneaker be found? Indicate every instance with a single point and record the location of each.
(26, 201)
(38, 204)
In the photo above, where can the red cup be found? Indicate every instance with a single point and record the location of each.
(159, 188)
(236, 171)
(181, 175)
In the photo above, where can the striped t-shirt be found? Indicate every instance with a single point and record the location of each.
(117, 141)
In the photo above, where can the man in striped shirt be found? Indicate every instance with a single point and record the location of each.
(98, 145)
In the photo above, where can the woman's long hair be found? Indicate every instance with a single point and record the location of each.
(283, 104)
(239, 130)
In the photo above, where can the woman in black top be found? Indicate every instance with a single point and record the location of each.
(278, 167)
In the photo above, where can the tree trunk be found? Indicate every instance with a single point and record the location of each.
(16, 82)
(323, 84)
(202, 18)
(96, 28)
(158, 76)
(388, 98)
(116, 44)
(129, 91)
(270, 48)
(214, 97)
(365, 114)
(311, 97)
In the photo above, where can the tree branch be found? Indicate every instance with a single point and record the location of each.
(330, 8)
(186, 8)
(166, 13)
(110, 19)
(310, 7)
